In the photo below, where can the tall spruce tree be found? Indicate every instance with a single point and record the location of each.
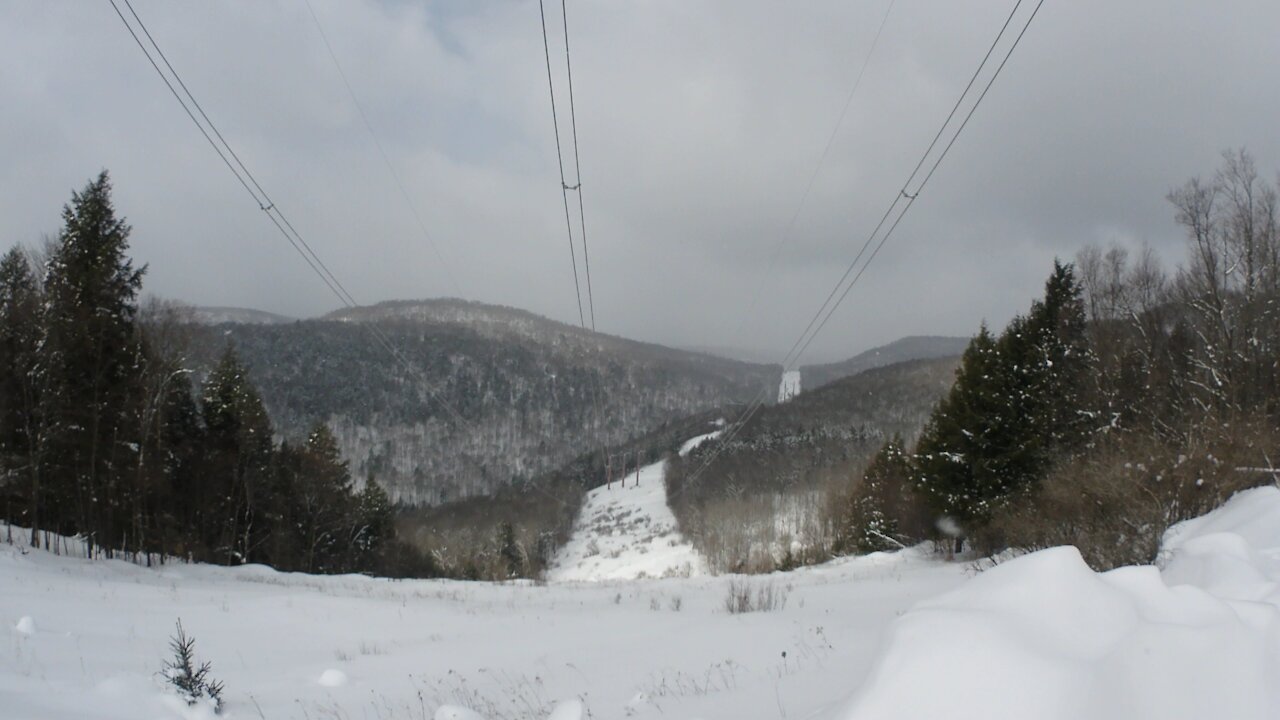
(324, 504)
(1017, 406)
(92, 353)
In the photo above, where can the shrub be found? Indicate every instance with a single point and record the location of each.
(1116, 502)
(743, 597)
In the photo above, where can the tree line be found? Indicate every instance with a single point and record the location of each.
(105, 435)
(1126, 399)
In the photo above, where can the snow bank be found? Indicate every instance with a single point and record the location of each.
(1044, 637)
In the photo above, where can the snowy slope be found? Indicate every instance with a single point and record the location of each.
(626, 531)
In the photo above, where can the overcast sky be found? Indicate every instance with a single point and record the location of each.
(700, 124)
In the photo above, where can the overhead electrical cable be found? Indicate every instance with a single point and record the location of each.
(577, 165)
(902, 198)
(564, 186)
(246, 179)
(386, 160)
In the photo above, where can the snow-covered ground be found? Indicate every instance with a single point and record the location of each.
(626, 531)
(885, 636)
(86, 639)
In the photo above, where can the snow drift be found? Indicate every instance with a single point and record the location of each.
(1044, 637)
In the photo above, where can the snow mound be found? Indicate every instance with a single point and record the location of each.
(568, 710)
(1043, 637)
(25, 626)
(626, 531)
(332, 678)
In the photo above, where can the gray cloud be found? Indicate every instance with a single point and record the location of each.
(700, 124)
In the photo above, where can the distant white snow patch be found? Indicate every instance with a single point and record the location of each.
(692, 443)
(25, 626)
(626, 531)
(790, 386)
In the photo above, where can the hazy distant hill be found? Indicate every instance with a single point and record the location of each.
(526, 387)
(916, 347)
(247, 316)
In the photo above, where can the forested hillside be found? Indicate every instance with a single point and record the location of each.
(529, 394)
(915, 347)
(746, 499)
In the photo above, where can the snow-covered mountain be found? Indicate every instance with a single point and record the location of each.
(476, 395)
(246, 316)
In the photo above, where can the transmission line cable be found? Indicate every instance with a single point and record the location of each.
(264, 202)
(227, 154)
(564, 186)
(386, 160)
(829, 307)
(577, 165)
(594, 387)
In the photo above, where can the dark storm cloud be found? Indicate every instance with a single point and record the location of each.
(700, 124)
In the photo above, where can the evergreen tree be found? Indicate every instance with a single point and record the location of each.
(882, 513)
(323, 503)
(952, 466)
(21, 426)
(1017, 407)
(91, 350)
(237, 463)
(372, 527)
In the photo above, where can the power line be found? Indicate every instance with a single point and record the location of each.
(386, 160)
(577, 164)
(226, 153)
(577, 187)
(564, 186)
(811, 332)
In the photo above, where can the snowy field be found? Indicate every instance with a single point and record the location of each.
(885, 636)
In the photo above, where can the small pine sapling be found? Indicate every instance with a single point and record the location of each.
(192, 683)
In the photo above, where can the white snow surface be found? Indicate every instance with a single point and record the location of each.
(421, 649)
(692, 443)
(899, 635)
(626, 531)
(790, 385)
(1043, 637)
